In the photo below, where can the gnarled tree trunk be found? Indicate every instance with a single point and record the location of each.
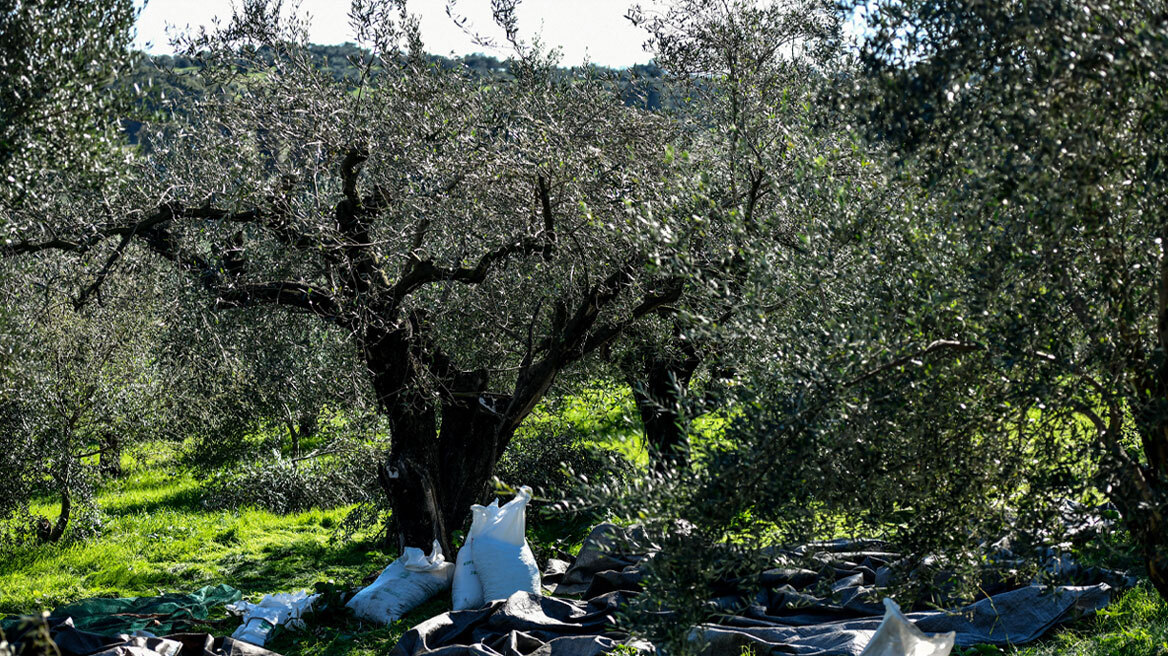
(447, 430)
(433, 477)
(1141, 489)
(1142, 499)
(63, 479)
(444, 445)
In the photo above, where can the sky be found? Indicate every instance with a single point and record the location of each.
(593, 28)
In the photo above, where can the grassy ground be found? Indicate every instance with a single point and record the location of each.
(158, 537)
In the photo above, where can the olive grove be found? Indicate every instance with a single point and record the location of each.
(472, 241)
(918, 264)
(996, 372)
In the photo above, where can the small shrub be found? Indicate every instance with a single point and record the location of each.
(283, 485)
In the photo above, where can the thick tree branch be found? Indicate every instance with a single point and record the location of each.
(652, 303)
(545, 202)
(22, 248)
(350, 170)
(276, 224)
(573, 338)
(291, 294)
(419, 272)
(282, 293)
(93, 287)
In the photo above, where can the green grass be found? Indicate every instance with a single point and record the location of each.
(607, 413)
(157, 537)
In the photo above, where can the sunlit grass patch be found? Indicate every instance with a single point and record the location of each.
(156, 537)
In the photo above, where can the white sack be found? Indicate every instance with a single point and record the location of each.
(897, 636)
(467, 590)
(274, 609)
(504, 562)
(407, 582)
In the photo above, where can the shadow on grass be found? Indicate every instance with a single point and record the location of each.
(303, 562)
(183, 500)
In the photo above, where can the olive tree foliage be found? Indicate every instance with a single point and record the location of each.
(1000, 356)
(82, 386)
(245, 385)
(56, 123)
(745, 73)
(1038, 127)
(899, 404)
(58, 133)
(470, 240)
(57, 101)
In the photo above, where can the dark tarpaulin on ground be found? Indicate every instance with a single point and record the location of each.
(68, 640)
(104, 627)
(168, 613)
(27, 637)
(786, 618)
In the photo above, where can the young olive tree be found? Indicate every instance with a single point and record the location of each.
(471, 240)
(745, 72)
(82, 385)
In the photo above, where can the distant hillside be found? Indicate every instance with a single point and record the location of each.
(162, 82)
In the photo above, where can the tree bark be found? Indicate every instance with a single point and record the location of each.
(658, 387)
(445, 444)
(1144, 492)
(66, 507)
(110, 459)
(301, 427)
(1142, 501)
(1155, 547)
(433, 475)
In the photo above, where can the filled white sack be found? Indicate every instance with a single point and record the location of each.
(273, 610)
(467, 590)
(504, 562)
(897, 636)
(406, 583)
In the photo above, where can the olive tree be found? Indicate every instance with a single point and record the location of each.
(744, 73)
(82, 385)
(472, 240)
(989, 348)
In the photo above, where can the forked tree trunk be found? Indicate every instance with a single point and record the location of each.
(433, 477)
(444, 445)
(1144, 488)
(1155, 545)
(447, 431)
(63, 481)
(1142, 507)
